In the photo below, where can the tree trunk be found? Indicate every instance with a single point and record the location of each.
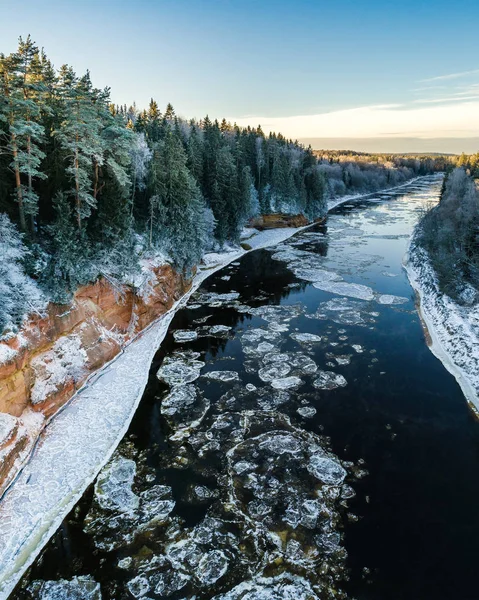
(18, 185)
(77, 189)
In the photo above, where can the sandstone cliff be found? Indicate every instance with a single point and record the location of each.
(43, 366)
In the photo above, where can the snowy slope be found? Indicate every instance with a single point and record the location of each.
(454, 329)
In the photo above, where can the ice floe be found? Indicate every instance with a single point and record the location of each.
(78, 588)
(226, 376)
(342, 288)
(390, 299)
(184, 335)
(329, 380)
(180, 368)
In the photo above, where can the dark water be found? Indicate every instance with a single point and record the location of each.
(399, 434)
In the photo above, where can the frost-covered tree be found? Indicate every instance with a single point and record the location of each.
(183, 223)
(20, 108)
(19, 295)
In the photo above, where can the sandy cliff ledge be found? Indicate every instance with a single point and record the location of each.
(52, 356)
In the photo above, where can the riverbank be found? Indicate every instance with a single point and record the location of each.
(83, 436)
(453, 329)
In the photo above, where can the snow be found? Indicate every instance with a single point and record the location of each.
(79, 441)
(65, 361)
(8, 425)
(7, 354)
(453, 329)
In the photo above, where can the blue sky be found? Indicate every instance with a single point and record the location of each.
(274, 61)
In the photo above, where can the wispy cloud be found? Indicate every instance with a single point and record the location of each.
(457, 118)
(451, 76)
(454, 98)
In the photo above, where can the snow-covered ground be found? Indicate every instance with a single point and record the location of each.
(453, 329)
(82, 437)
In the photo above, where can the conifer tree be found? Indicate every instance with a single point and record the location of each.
(79, 138)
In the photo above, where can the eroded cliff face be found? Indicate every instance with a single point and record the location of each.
(278, 220)
(43, 366)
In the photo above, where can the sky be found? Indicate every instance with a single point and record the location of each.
(367, 72)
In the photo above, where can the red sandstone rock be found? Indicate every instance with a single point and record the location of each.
(101, 319)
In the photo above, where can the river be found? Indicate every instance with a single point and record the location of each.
(297, 439)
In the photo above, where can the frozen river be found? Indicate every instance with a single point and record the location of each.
(296, 440)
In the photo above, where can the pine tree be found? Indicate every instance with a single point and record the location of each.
(183, 223)
(20, 76)
(79, 138)
(169, 112)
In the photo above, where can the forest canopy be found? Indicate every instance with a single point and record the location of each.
(87, 187)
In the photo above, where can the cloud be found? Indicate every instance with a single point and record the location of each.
(454, 98)
(451, 76)
(456, 119)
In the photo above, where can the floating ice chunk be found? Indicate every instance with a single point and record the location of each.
(326, 469)
(178, 399)
(222, 375)
(314, 274)
(180, 368)
(156, 503)
(212, 566)
(273, 357)
(306, 338)
(357, 348)
(170, 582)
(113, 486)
(306, 411)
(257, 334)
(328, 542)
(275, 371)
(184, 335)
(243, 466)
(342, 288)
(343, 359)
(78, 588)
(219, 330)
(281, 443)
(284, 587)
(139, 586)
(286, 383)
(278, 327)
(304, 363)
(250, 387)
(226, 277)
(390, 299)
(328, 380)
(264, 347)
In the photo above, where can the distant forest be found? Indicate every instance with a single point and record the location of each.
(88, 188)
(450, 231)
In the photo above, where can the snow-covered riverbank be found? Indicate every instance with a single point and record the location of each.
(453, 329)
(80, 440)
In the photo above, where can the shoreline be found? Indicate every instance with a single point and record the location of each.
(457, 349)
(24, 532)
